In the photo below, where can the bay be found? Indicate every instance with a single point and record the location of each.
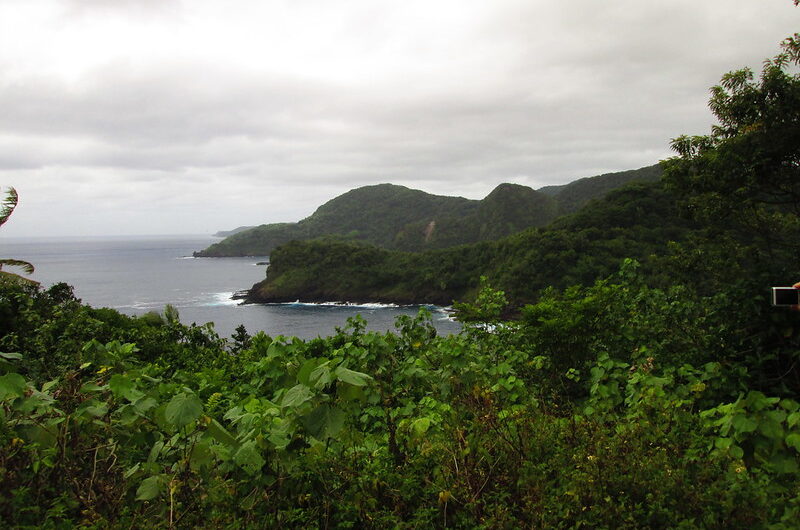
(139, 274)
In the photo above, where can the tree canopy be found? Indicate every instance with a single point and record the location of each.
(746, 174)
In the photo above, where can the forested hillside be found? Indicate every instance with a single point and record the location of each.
(658, 392)
(399, 218)
(638, 221)
(573, 196)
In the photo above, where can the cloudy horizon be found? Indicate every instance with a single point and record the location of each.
(124, 117)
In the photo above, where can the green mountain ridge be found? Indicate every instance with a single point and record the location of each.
(399, 218)
(576, 194)
(637, 221)
(227, 233)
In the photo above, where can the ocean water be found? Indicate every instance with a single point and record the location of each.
(135, 275)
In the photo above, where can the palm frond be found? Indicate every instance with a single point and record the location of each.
(11, 278)
(24, 265)
(8, 205)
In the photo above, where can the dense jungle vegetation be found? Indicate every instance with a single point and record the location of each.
(663, 395)
(399, 218)
(637, 221)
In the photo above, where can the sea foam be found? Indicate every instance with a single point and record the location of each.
(354, 305)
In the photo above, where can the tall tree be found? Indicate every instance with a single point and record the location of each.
(745, 175)
(743, 182)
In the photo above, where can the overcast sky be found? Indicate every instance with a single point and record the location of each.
(192, 116)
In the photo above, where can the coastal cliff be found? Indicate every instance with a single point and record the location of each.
(637, 221)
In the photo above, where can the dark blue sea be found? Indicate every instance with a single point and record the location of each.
(135, 275)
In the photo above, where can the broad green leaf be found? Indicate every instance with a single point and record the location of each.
(597, 373)
(771, 429)
(321, 376)
(350, 393)
(124, 386)
(150, 488)
(793, 440)
(98, 411)
(52, 422)
(201, 456)
(352, 377)
(11, 356)
(324, 421)
(12, 385)
(91, 387)
(119, 384)
(282, 432)
(279, 438)
(144, 404)
(127, 415)
(155, 451)
(183, 409)
(93, 407)
(249, 458)
(38, 434)
(220, 434)
(276, 349)
(778, 416)
(420, 426)
(723, 443)
(158, 415)
(758, 401)
(743, 423)
(304, 373)
(296, 396)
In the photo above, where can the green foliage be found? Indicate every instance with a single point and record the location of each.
(761, 431)
(399, 218)
(636, 222)
(6, 209)
(575, 195)
(741, 183)
(745, 173)
(642, 396)
(487, 308)
(588, 411)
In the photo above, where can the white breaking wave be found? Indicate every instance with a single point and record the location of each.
(141, 306)
(444, 313)
(224, 298)
(354, 305)
(203, 300)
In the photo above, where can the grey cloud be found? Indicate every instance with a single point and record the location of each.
(84, 8)
(545, 95)
(146, 110)
(176, 117)
(168, 122)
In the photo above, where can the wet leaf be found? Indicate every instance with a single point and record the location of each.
(183, 409)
